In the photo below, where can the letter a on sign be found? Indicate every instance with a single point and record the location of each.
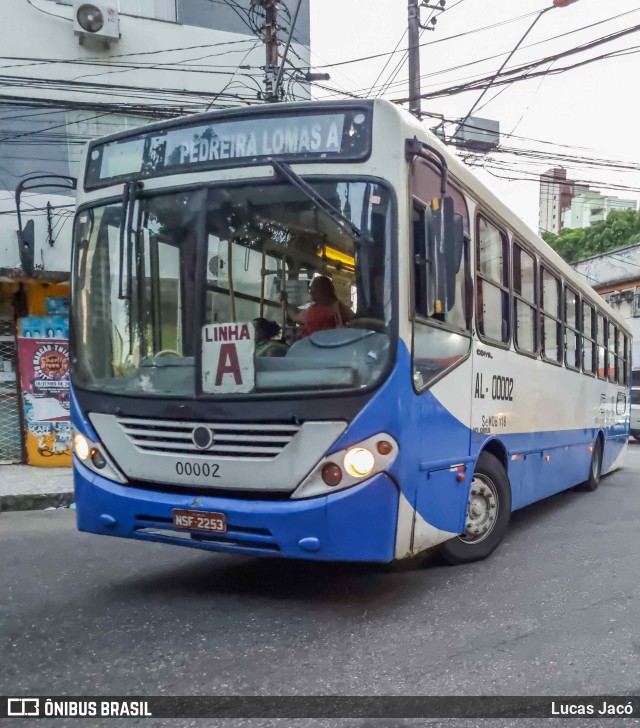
(227, 358)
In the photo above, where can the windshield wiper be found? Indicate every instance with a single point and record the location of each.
(285, 171)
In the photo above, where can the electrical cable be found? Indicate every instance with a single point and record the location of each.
(401, 63)
(231, 80)
(46, 12)
(422, 45)
(499, 55)
(526, 71)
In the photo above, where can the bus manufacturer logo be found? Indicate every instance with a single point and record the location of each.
(202, 437)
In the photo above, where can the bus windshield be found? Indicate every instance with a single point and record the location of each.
(156, 275)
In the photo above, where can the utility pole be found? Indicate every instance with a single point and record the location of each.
(415, 26)
(271, 47)
(414, 57)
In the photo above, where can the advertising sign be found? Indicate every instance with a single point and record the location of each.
(58, 305)
(45, 327)
(44, 378)
(228, 358)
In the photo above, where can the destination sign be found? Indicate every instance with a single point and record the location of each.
(230, 141)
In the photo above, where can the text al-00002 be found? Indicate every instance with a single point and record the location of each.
(501, 388)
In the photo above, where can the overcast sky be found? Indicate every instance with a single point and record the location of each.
(592, 111)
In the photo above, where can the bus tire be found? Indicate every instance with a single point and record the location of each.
(487, 517)
(595, 469)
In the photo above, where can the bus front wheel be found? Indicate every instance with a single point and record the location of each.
(488, 514)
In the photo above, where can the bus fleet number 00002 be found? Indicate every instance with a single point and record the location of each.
(502, 388)
(197, 469)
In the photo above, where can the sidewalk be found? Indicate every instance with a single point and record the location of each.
(25, 488)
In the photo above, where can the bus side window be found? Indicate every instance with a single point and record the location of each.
(588, 339)
(419, 254)
(601, 350)
(571, 329)
(627, 361)
(425, 187)
(525, 303)
(612, 339)
(620, 359)
(551, 300)
(492, 282)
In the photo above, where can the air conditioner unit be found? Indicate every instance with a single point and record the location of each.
(96, 20)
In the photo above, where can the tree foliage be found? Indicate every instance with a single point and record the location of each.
(621, 228)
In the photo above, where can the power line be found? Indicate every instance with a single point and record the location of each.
(46, 12)
(101, 61)
(422, 45)
(525, 71)
(440, 72)
(402, 61)
(217, 96)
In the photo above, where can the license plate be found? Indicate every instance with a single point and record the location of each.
(199, 521)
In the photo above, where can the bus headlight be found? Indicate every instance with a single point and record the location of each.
(81, 447)
(95, 458)
(360, 461)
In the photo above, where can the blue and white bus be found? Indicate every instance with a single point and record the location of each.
(475, 374)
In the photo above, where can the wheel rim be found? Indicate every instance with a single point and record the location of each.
(482, 510)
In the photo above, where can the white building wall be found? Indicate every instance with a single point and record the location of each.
(619, 270)
(56, 94)
(590, 207)
(549, 220)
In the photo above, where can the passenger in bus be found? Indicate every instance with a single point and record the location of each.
(266, 331)
(326, 311)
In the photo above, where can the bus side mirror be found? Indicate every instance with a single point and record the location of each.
(447, 247)
(26, 233)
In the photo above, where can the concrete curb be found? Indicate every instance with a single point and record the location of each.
(35, 501)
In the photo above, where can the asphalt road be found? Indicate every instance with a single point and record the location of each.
(555, 610)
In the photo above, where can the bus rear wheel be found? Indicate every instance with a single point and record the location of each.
(595, 471)
(487, 517)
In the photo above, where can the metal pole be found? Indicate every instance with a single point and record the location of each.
(271, 46)
(414, 57)
(286, 49)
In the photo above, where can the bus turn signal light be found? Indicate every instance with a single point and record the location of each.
(97, 458)
(384, 447)
(331, 474)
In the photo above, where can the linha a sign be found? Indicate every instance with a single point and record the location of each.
(228, 358)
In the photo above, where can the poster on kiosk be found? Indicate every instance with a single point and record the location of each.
(43, 357)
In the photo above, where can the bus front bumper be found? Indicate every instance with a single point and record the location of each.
(357, 524)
